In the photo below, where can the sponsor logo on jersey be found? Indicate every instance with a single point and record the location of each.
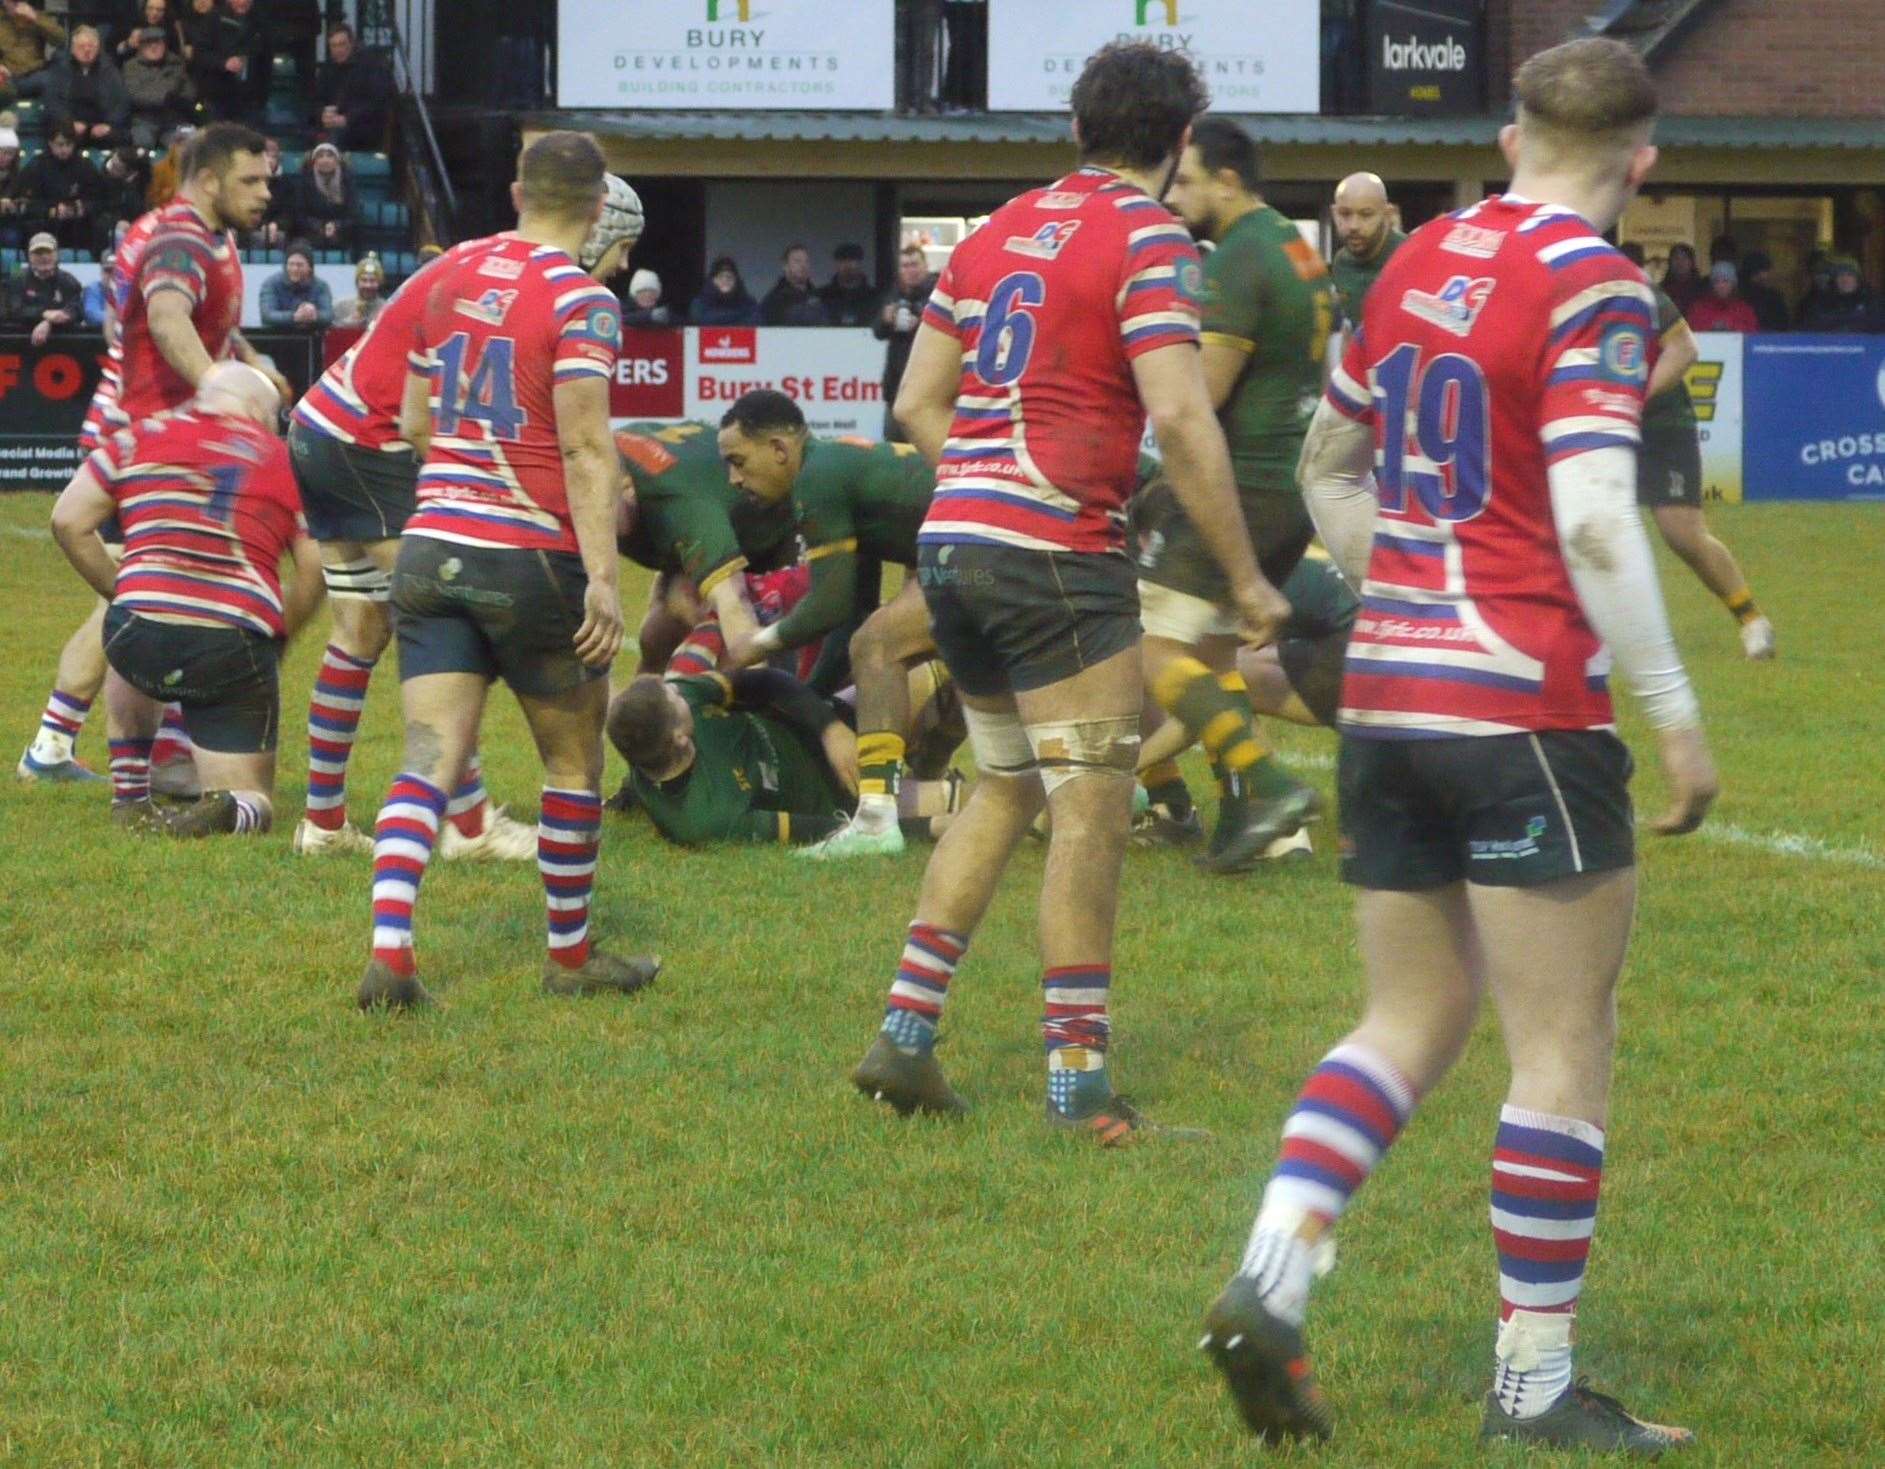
(1046, 242)
(1473, 240)
(1060, 199)
(501, 267)
(1455, 307)
(492, 307)
(1624, 355)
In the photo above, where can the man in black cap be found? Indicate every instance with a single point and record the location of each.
(850, 298)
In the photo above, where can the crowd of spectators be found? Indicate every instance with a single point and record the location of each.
(847, 298)
(1740, 292)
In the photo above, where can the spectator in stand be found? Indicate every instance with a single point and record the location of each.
(896, 323)
(278, 222)
(28, 41)
(965, 68)
(60, 190)
(121, 192)
(167, 172)
(144, 14)
(161, 94)
(12, 207)
(1757, 289)
(85, 90)
(1848, 307)
(646, 307)
(1819, 284)
(850, 298)
(295, 296)
(369, 293)
(42, 295)
(294, 28)
(1681, 283)
(235, 84)
(92, 303)
(724, 300)
(794, 300)
(1722, 309)
(202, 27)
(353, 94)
(324, 200)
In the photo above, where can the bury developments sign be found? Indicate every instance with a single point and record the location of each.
(1426, 56)
(1255, 55)
(834, 374)
(726, 54)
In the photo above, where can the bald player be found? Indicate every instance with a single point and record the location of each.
(1364, 222)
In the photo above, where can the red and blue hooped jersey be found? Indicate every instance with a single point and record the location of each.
(1499, 341)
(183, 254)
(106, 415)
(502, 325)
(1051, 300)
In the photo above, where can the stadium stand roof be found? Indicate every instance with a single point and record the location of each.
(1051, 128)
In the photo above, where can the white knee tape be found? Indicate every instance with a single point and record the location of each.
(1066, 751)
(1000, 744)
(357, 581)
(1181, 617)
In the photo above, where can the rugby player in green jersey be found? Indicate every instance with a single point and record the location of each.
(676, 518)
(1669, 477)
(857, 505)
(1365, 221)
(1268, 310)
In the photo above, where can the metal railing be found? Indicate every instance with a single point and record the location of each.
(437, 195)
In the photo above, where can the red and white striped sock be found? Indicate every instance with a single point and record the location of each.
(130, 771)
(470, 805)
(569, 834)
(403, 837)
(334, 709)
(1546, 1172)
(173, 738)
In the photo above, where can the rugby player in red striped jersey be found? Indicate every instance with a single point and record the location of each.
(1496, 390)
(1057, 327)
(507, 568)
(198, 614)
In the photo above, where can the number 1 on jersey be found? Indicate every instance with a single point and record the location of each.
(1445, 455)
(489, 397)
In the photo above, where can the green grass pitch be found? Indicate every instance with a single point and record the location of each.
(242, 1224)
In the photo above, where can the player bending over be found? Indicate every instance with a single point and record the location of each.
(856, 505)
(507, 567)
(1496, 388)
(358, 482)
(1055, 329)
(197, 614)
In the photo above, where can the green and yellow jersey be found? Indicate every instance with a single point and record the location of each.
(1671, 411)
(684, 505)
(759, 771)
(1268, 294)
(1353, 278)
(852, 499)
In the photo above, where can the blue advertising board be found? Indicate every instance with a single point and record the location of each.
(1814, 418)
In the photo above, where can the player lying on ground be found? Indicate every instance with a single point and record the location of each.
(508, 568)
(751, 757)
(1669, 481)
(1056, 330)
(197, 615)
(1267, 311)
(1485, 806)
(854, 505)
(358, 482)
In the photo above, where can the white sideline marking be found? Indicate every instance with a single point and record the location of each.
(1791, 844)
(29, 533)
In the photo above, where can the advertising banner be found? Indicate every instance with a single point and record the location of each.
(44, 392)
(834, 374)
(1715, 388)
(1426, 57)
(1815, 416)
(726, 54)
(1255, 55)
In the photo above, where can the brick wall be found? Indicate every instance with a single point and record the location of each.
(1784, 58)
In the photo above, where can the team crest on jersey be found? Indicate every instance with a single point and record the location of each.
(1455, 307)
(492, 307)
(1474, 240)
(501, 267)
(1046, 242)
(1624, 355)
(1188, 276)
